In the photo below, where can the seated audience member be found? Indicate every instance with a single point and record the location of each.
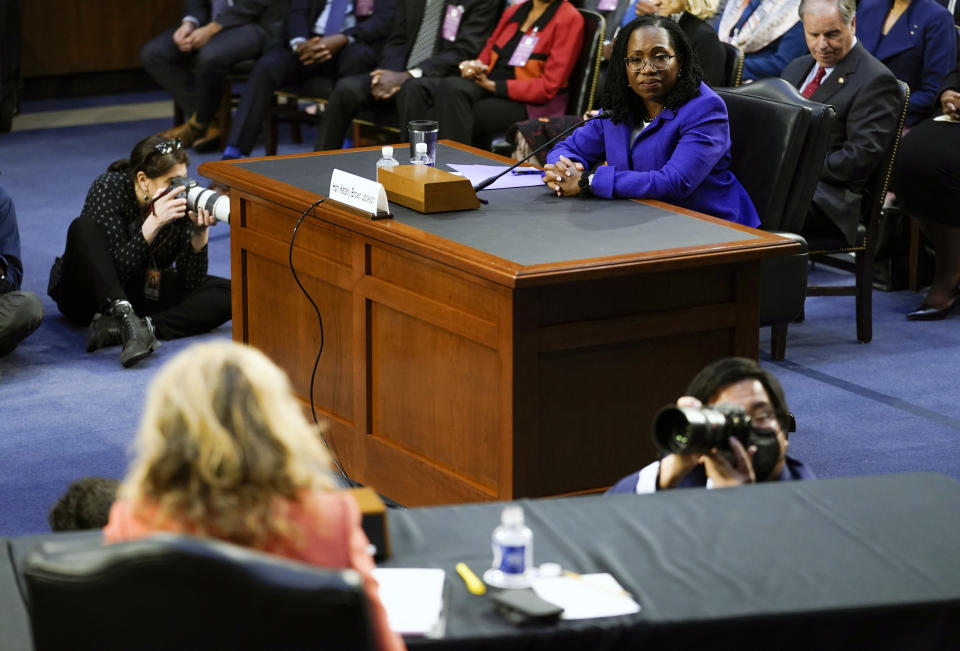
(916, 39)
(840, 72)
(767, 31)
(926, 179)
(691, 14)
(521, 73)
(191, 61)
(20, 311)
(85, 505)
(223, 451)
(136, 250)
(739, 382)
(667, 135)
(429, 39)
(318, 44)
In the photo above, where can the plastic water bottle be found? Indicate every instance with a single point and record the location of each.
(420, 158)
(387, 161)
(512, 550)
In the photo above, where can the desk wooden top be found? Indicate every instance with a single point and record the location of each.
(523, 235)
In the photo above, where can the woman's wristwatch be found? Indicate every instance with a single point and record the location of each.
(584, 184)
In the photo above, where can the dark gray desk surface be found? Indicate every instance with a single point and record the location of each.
(527, 226)
(866, 562)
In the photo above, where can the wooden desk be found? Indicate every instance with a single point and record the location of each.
(518, 350)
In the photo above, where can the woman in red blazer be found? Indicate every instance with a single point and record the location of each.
(224, 451)
(521, 72)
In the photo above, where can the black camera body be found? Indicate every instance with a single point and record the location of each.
(693, 430)
(197, 197)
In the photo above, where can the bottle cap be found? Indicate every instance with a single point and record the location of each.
(421, 148)
(512, 515)
(386, 151)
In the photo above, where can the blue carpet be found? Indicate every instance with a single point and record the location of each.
(885, 407)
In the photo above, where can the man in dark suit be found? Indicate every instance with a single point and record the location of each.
(840, 72)
(429, 38)
(191, 61)
(317, 44)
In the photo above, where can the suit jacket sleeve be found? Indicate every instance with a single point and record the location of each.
(199, 9)
(243, 12)
(375, 29)
(872, 118)
(951, 81)
(769, 61)
(475, 26)
(297, 23)
(939, 56)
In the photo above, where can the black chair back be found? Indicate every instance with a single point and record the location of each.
(582, 85)
(179, 592)
(732, 65)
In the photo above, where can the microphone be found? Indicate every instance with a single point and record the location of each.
(486, 182)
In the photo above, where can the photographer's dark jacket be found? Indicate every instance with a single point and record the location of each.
(112, 204)
(645, 480)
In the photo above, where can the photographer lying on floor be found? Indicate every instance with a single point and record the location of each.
(726, 446)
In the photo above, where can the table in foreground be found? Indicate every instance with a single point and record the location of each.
(862, 563)
(512, 351)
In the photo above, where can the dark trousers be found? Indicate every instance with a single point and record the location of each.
(20, 315)
(350, 96)
(196, 79)
(465, 112)
(279, 67)
(89, 282)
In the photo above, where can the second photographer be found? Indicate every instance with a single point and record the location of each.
(743, 440)
(135, 263)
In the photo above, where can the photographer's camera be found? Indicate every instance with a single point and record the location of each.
(198, 197)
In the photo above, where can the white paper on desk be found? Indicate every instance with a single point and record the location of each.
(412, 597)
(946, 118)
(586, 596)
(477, 173)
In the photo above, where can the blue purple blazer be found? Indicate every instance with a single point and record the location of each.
(920, 48)
(682, 158)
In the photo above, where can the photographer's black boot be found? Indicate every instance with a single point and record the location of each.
(104, 331)
(137, 334)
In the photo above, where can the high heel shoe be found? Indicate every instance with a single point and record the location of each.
(926, 313)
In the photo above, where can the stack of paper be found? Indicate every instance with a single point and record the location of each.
(413, 599)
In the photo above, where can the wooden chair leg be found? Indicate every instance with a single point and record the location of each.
(778, 341)
(178, 118)
(864, 278)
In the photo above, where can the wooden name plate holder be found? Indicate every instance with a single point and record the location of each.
(427, 189)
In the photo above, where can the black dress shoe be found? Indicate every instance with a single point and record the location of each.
(927, 313)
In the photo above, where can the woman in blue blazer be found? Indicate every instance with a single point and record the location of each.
(920, 47)
(667, 136)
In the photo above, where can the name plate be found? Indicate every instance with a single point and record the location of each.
(364, 195)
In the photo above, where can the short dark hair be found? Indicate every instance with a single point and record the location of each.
(146, 158)
(722, 373)
(618, 98)
(85, 505)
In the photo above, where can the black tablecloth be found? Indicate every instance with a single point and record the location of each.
(868, 562)
(525, 225)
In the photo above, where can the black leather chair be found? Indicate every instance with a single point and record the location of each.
(823, 249)
(179, 592)
(582, 86)
(732, 65)
(778, 144)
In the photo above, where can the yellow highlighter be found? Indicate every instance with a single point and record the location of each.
(474, 584)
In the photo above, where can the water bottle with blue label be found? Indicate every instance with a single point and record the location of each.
(512, 551)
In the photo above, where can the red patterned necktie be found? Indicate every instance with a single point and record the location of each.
(814, 84)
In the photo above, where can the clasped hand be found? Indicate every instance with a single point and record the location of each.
(384, 84)
(320, 49)
(950, 103)
(563, 177)
(674, 467)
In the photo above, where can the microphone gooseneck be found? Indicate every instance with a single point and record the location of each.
(486, 182)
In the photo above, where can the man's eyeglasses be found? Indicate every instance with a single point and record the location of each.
(657, 62)
(168, 147)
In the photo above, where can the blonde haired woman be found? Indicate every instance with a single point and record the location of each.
(223, 450)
